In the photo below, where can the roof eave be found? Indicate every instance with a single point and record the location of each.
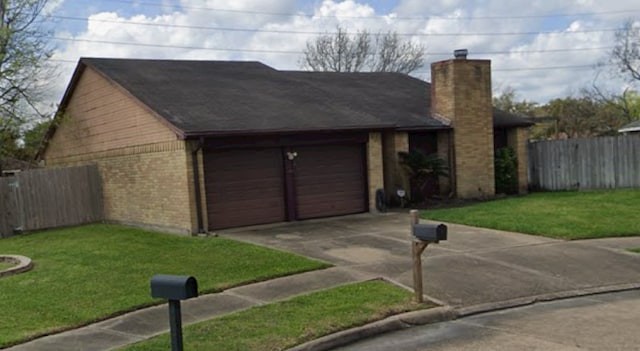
(258, 132)
(423, 128)
(513, 125)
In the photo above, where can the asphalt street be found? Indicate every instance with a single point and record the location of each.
(598, 322)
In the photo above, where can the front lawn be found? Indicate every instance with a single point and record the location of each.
(89, 273)
(281, 325)
(5, 265)
(565, 215)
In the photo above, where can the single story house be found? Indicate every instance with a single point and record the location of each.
(193, 146)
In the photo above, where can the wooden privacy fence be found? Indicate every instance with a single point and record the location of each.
(49, 198)
(596, 163)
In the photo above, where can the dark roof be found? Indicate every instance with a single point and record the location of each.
(631, 127)
(11, 164)
(503, 119)
(200, 98)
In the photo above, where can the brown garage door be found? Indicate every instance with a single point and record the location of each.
(330, 180)
(244, 187)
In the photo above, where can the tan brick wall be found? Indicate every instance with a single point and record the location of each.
(394, 175)
(375, 168)
(518, 139)
(100, 116)
(146, 171)
(461, 92)
(147, 185)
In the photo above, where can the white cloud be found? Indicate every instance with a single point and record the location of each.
(185, 28)
(52, 5)
(345, 9)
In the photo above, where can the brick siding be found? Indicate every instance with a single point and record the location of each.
(461, 92)
(146, 172)
(146, 185)
(394, 175)
(375, 169)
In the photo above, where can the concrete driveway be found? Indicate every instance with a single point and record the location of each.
(474, 267)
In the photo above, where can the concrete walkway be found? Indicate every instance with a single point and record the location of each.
(475, 270)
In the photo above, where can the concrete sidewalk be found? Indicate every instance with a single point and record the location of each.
(145, 323)
(476, 270)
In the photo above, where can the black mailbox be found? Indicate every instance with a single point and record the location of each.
(174, 287)
(430, 232)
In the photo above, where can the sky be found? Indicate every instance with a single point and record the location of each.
(543, 49)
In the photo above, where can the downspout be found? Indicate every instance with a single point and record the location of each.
(196, 182)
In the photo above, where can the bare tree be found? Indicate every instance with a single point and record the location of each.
(344, 52)
(339, 52)
(627, 104)
(395, 55)
(626, 51)
(23, 54)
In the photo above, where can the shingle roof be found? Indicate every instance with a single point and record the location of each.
(631, 127)
(503, 119)
(10, 163)
(202, 98)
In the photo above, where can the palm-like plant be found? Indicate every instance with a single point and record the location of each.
(419, 168)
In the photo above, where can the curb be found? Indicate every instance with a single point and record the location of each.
(393, 323)
(443, 314)
(530, 300)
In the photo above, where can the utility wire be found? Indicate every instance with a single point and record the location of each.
(572, 67)
(542, 68)
(173, 46)
(291, 52)
(257, 30)
(265, 51)
(410, 18)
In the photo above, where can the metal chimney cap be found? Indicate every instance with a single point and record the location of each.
(460, 54)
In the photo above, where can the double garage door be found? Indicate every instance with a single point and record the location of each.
(267, 185)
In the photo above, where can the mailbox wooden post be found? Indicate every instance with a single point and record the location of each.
(417, 247)
(421, 236)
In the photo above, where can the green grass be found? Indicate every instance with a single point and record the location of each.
(88, 273)
(5, 265)
(565, 215)
(636, 250)
(281, 325)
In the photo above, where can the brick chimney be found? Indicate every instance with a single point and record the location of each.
(461, 93)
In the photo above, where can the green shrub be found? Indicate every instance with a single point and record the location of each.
(506, 171)
(420, 167)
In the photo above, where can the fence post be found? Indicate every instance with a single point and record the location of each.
(18, 206)
(5, 227)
